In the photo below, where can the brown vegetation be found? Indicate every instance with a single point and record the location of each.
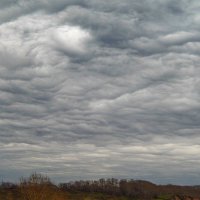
(39, 187)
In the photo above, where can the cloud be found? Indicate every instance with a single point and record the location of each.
(93, 89)
(71, 40)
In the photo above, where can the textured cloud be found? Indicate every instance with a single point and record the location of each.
(93, 89)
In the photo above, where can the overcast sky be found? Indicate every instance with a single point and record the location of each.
(100, 88)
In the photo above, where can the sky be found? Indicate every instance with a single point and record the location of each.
(100, 88)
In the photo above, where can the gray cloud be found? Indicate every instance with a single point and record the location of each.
(93, 89)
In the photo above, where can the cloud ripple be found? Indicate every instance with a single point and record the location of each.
(90, 89)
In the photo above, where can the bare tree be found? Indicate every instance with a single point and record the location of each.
(39, 187)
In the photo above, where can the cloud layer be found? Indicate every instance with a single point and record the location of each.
(93, 89)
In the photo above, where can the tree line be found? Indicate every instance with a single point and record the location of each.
(40, 187)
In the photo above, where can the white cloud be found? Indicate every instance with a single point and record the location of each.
(72, 40)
